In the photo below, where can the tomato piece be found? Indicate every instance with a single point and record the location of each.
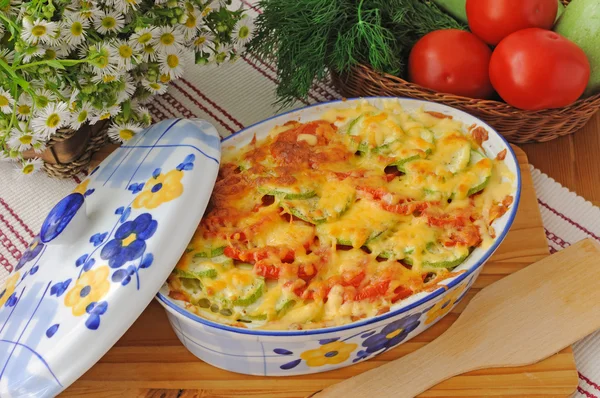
(536, 69)
(406, 208)
(452, 61)
(400, 293)
(373, 290)
(232, 252)
(493, 20)
(268, 271)
(307, 272)
(353, 280)
(375, 193)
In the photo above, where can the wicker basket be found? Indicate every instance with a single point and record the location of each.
(69, 152)
(516, 125)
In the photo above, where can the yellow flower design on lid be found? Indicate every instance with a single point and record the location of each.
(328, 354)
(159, 189)
(89, 288)
(82, 188)
(443, 307)
(9, 288)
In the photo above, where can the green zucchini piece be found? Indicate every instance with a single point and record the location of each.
(351, 125)
(476, 156)
(284, 307)
(479, 187)
(212, 253)
(253, 293)
(252, 318)
(400, 163)
(207, 273)
(307, 210)
(439, 256)
(281, 192)
(459, 159)
(363, 147)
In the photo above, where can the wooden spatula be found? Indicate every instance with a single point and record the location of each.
(520, 320)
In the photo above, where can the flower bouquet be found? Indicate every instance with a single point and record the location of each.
(69, 64)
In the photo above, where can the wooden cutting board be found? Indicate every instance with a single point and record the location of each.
(149, 360)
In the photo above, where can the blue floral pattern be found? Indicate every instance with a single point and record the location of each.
(129, 242)
(31, 253)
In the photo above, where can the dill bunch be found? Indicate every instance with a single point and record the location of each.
(307, 38)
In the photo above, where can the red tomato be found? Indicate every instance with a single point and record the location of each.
(493, 20)
(451, 61)
(537, 69)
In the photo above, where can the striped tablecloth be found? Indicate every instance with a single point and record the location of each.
(235, 95)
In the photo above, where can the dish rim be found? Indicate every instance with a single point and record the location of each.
(169, 305)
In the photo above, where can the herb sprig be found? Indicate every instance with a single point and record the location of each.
(306, 38)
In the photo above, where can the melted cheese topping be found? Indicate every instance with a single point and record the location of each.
(327, 222)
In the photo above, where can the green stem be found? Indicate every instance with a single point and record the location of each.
(65, 62)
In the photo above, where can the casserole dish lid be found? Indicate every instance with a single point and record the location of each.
(101, 255)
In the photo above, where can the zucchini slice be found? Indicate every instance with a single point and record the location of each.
(438, 256)
(210, 253)
(206, 273)
(316, 210)
(251, 294)
(287, 192)
(482, 173)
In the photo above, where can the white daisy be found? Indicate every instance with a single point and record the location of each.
(4, 155)
(204, 41)
(22, 138)
(50, 119)
(123, 132)
(192, 24)
(125, 6)
(171, 63)
(154, 87)
(33, 51)
(103, 59)
(24, 106)
(124, 53)
(107, 22)
(38, 31)
(6, 101)
(105, 113)
(242, 32)
(43, 97)
(11, 8)
(7, 55)
(105, 79)
(81, 115)
(74, 30)
(144, 116)
(169, 38)
(221, 55)
(30, 166)
(49, 54)
(164, 78)
(143, 37)
(149, 53)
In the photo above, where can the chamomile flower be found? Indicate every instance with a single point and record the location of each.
(125, 55)
(29, 166)
(171, 63)
(143, 37)
(103, 59)
(154, 87)
(75, 30)
(109, 22)
(105, 79)
(192, 24)
(149, 54)
(221, 55)
(33, 51)
(7, 55)
(123, 132)
(43, 97)
(40, 31)
(242, 32)
(50, 119)
(106, 113)
(169, 38)
(125, 5)
(11, 8)
(204, 41)
(81, 115)
(144, 115)
(24, 107)
(6, 101)
(22, 138)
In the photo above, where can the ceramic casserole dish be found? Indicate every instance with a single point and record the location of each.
(293, 352)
